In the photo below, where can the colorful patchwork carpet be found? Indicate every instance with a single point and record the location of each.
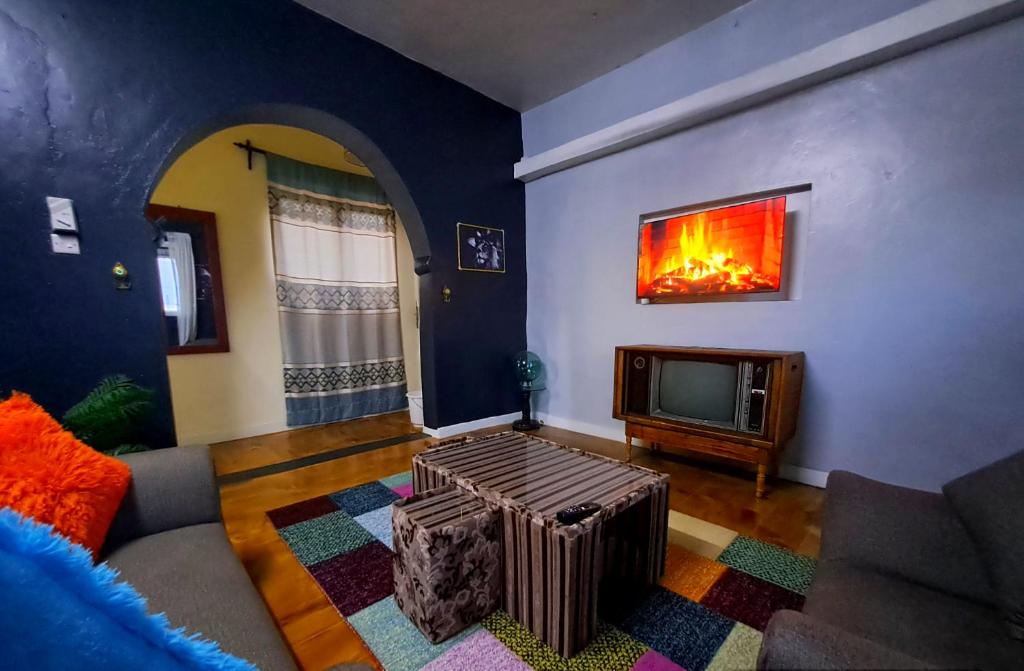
(707, 614)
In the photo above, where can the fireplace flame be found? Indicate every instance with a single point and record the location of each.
(736, 249)
(700, 267)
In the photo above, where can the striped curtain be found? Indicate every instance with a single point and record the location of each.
(337, 293)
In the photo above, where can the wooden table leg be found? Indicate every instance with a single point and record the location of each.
(629, 446)
(762, 474)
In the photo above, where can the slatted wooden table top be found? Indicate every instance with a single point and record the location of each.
(536, 475)
(437, 511)
(552, 572)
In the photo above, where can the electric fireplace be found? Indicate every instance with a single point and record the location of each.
(714, 253)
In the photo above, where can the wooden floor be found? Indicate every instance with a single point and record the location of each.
(317, 634)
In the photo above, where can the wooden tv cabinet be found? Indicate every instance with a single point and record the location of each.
(760, 448)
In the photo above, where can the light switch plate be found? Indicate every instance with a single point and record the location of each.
(64, 243)
(62, 215)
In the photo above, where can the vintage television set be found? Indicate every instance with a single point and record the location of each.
(735, 404)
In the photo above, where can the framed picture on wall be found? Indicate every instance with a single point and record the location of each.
(481, 249)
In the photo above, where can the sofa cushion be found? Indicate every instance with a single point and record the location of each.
(793, 640)
(889, 529)
(990, 501)
(48, 474)
(193, 575)
(912, 619)
(171, 488)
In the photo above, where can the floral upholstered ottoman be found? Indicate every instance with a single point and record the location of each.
(447, 560)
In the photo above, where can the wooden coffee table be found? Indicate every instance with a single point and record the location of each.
(553, 572)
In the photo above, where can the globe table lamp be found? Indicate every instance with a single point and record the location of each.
(530, 374)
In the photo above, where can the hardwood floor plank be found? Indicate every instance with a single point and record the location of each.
(249, 453)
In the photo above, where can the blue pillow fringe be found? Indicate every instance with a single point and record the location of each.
(70, 566)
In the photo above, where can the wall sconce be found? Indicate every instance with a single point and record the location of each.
(122, 281)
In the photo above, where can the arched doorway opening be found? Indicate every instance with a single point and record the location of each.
(237, 394)
(334, 129)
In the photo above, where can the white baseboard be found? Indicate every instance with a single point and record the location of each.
(805, 476)
(485, 423)
(598, 430)
(232, 434)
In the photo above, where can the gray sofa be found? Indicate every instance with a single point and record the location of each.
(169, 542)
(910, 579)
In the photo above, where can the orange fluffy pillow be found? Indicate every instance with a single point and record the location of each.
(48, 474)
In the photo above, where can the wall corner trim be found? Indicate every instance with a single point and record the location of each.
(915, 29)
(473, 425)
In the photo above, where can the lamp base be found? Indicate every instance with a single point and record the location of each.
(526, 423)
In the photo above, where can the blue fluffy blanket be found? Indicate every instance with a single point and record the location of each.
(59, 611)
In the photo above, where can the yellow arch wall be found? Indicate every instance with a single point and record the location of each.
(239, 393)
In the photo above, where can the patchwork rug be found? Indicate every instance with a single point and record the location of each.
(707, 614)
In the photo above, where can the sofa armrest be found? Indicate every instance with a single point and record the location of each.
(904, 532)
(793, 640)
(170, 488)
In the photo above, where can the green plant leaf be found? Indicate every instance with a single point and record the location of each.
(111, 414)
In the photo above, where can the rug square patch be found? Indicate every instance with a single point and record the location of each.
(357, 579)
(364, 498)
(301, 511)
(655, 661)
(750, 600)
(378, 523)
(405, 491)
(686, 632)
(770, 562)
(697, 535)
(479, 651)
(397, 480)
(522, 642)
(739, 651)
(324, 537)
(689, 574)
(395, 641)
(611, 649)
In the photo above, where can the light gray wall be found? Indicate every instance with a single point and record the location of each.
(749, 37)
(912, 304)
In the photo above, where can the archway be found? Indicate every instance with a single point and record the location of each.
(331, 128)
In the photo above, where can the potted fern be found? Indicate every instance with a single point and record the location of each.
(111, 417)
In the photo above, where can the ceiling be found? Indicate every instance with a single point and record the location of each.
(522, 52)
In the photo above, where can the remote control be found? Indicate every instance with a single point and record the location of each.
(575, 513)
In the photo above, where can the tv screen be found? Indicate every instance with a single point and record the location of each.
(700, 390)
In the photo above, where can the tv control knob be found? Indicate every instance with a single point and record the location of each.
(639, 363)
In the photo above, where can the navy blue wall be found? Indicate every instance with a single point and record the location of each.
(96, 98)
